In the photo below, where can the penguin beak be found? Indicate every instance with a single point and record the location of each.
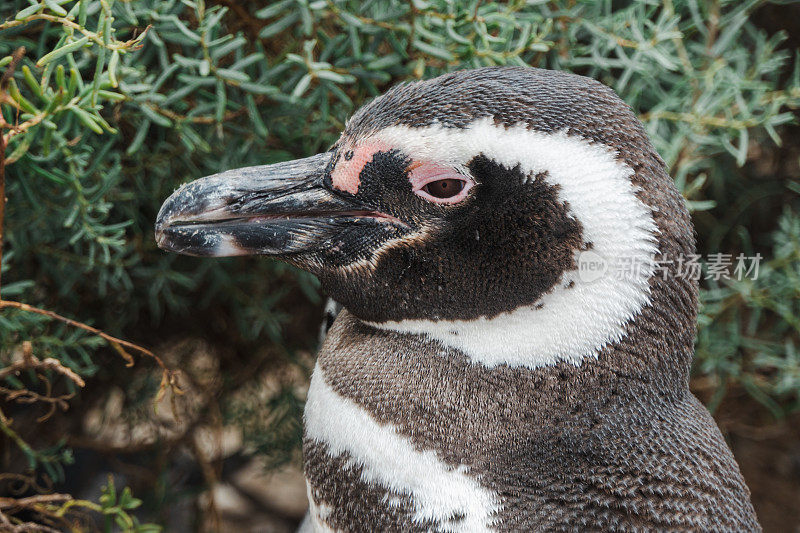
(280, 209)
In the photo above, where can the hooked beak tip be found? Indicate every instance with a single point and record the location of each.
(161, 237)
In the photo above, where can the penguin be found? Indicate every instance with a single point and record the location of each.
(516, 329)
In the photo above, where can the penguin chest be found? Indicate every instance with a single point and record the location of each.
(366, 472)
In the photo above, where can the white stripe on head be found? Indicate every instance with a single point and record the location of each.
(565, 324)
(437, 491)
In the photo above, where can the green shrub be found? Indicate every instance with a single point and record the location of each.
(115, 103)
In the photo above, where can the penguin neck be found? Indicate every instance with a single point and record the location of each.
(654, 346)
(441, 399)
(658, 331)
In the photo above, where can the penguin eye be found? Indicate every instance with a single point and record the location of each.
(446, 188)
(440, 184)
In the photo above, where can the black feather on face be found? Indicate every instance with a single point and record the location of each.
(503, 246)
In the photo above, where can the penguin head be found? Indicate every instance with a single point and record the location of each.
(518, 207)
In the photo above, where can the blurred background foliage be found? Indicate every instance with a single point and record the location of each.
(116, 103)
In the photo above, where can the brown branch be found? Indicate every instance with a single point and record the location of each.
(97, 38)
(16, 57)
(204, 119)
(27, 396)
(26, 527)
(18, 129)
(24, 483)
(13, 503)
(169, 376)
(30, 361)
(36, 504)
(114, 341)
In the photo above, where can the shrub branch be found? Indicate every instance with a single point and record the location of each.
(29, 361)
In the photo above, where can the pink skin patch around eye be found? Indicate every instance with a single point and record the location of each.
(424, 173)
(347, 174)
